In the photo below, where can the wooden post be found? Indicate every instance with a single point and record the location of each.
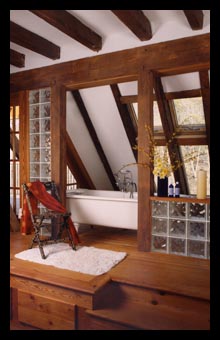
(145, 176)
(58, 136)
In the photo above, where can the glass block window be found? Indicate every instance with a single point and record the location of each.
(40, 135)
(159, 208)
(181, 228)
(159, 243)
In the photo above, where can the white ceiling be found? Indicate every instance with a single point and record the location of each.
(166, 25)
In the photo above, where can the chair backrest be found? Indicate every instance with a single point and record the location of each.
(51, 188)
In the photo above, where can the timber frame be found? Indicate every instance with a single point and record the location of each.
(191, 54)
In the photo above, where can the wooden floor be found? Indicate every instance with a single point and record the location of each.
(176, 284)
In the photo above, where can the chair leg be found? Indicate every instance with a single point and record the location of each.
(36, 239)
(66, 226)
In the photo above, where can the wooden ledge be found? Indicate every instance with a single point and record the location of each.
(181, 199)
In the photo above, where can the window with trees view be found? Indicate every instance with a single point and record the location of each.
(190, 133)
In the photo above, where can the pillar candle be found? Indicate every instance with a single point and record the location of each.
(201, 184)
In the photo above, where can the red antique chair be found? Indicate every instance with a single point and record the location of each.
(44, 212)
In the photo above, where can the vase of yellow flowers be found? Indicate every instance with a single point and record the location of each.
(162, 169)
(161, 163)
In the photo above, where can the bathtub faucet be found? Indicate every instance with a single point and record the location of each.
(124, 181)
(133, 188)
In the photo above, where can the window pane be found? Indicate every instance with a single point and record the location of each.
(199, 160)
(157, 119)
(189, 112)
(11, 174)
(70, 180)
(156, 115)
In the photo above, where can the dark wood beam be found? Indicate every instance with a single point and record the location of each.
(176, 56)
(33, 42)
(129, 99)
(183, 94)
(136, 21)
(169, 95)
(94, 137)
(169, 130)
(183, 140)
(126, 118)
(195, 18)
(205, 89)
(76, 166)
(17, 59)
(58, 133)
(145, 175)
(71, 26)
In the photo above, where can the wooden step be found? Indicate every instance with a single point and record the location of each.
(148, 317)
(61, 284)
(20, 326)
(166, 273)
(121, 292)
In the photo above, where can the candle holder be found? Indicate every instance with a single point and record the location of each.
(201, 184)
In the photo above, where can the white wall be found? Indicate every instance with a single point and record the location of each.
(82, 141)
(103, 112)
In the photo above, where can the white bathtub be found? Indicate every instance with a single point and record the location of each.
(104, 208)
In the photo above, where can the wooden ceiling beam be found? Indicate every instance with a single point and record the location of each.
(136, 21)
(169, 96)
(70, 25)
(76, 166)
(94, 137)
(205, 90)
(192, 52)
(195, 18)
(126, 118)
(33, 42)
(169, 130)
(17, 59)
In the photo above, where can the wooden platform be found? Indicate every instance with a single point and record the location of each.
(144, 291)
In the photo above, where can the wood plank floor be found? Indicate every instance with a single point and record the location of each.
(179, 274)
(158, 273)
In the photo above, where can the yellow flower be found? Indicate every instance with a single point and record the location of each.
(158, 159)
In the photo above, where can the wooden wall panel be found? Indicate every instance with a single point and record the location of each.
(45, 313)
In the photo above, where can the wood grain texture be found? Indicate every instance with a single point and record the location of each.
(17, 59)
(171, 57)
(33, 42)
(145, 291)
(145, 177)
(71, 26)
(137, 22)
(46, 314)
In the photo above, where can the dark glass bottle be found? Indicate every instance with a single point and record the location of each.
(177, 190)
(170, 190)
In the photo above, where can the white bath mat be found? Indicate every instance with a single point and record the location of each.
(87, 260)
